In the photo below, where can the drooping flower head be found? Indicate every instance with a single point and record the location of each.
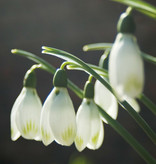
(103, 97)
(58, 116)
(126, 70)
(25, 114)
(90, 130)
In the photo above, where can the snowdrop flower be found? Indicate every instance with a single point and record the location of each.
(25, 114)
(58, 120)
(133, 103)
(126, 70)
(90, 130)
(106, 100)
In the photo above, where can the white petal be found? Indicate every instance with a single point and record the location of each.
(126, 71)
(100, 138)
(46, 132)
(133, 103)
(62, 117)
(106, 100)
(83, 121)
(15, 134)
(28, 114)
(95, 138)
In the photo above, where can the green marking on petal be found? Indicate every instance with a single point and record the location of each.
(12, 132)
(132, 84)
(45, 134)
(30, 127)
(68, 134)
(79, 141)
(95, 138)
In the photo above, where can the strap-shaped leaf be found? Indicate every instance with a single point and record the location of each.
(140, 6)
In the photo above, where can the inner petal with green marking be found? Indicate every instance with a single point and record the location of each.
(68, 135)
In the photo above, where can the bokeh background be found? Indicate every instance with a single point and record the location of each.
(67, 25)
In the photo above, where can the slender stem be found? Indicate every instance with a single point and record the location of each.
(128, 137)
(67, 56)
(149, 58)
(64, 64)
(129, 10)
(148, 103)
(90, 78)
(47, 67)
(141, 122)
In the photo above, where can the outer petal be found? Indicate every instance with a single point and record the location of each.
(62, 117)
(15, 134)
(106, 100)
(133, 103)
(100, 138)
(126, 71)
(46, 132)
(96, 136)
(83, 121)
(28, 114)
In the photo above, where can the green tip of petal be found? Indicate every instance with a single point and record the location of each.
(68, 136)
(79, 143)
(95, 138)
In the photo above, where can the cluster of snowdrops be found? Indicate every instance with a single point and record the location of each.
(56, 120)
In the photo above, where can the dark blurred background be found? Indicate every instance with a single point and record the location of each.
(67, 25)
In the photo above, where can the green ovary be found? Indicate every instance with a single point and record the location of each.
(68, 134)
(95, 138)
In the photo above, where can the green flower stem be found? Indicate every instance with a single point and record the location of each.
(64, 64)
(128, 137)
(149, 58)
(148, 103)
(47, 67)
(141, 122)
(97, 46)
(103, 46)
(69, 57)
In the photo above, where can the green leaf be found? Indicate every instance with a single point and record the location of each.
(140, 6)
(97, 46)
(149, 58)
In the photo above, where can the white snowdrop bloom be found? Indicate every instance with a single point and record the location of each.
(58, 120)
(133, 103)
(106, 100)
(90, 130)
(126, 70)
(25, 115)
